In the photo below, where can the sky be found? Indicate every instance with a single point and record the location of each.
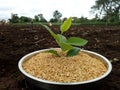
(30, 8)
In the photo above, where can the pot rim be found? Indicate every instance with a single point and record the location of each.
(109, 65)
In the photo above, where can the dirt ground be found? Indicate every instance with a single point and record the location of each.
(16, 41)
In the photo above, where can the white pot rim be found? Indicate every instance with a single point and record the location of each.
(60, 83)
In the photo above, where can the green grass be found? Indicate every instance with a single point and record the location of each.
(74, 24)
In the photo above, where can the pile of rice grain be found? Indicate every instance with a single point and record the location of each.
(78, 68)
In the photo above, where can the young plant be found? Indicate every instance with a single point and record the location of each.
(66, 44)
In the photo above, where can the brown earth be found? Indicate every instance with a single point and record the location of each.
(16, 41)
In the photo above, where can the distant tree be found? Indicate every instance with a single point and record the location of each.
(75, 19)
(109, 8)
(41, 18)
(25, 19)
(57, 15)
(83, 19)
(53, 20)
(95, 19)
(36, 18)
(64, 19)
(14, 18)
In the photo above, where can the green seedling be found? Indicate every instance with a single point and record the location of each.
(66, 44)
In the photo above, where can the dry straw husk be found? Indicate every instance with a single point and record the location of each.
(81, 67)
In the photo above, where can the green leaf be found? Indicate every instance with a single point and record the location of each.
(61, 38)
(66, 25)
(73, 52)
(76, 41)
(54, 52)
(51, 32)
(64, 46)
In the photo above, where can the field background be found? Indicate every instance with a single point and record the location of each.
(18, 40)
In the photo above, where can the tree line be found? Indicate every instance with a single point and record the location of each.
(105, 11)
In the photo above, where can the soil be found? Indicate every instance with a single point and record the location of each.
(16, 41)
